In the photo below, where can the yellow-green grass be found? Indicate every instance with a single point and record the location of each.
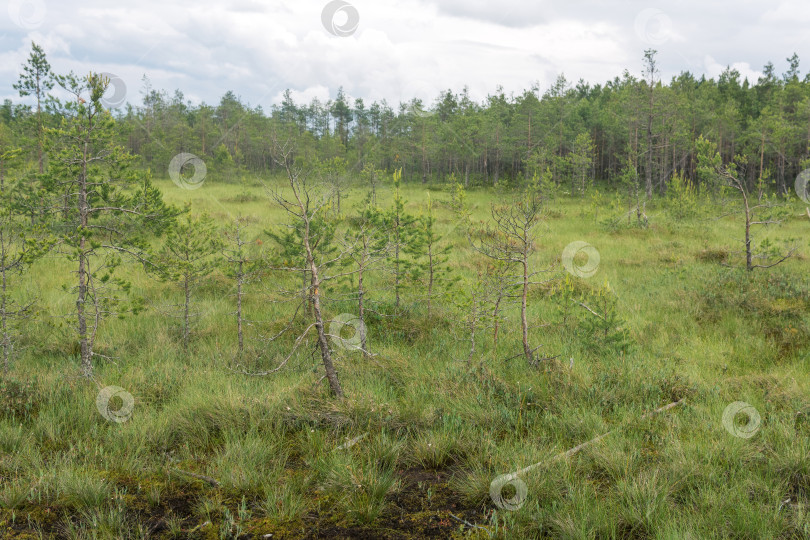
(436, 430)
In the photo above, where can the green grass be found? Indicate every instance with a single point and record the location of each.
(436, 430)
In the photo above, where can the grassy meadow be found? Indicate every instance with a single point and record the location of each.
(411, 452)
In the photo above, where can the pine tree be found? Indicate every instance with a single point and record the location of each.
(306, 205)
(188, 255)
(37, 80)
(398, 222)
(112, 210)
(428, 265)
(243, 263)
(367, 241)
(510, 240)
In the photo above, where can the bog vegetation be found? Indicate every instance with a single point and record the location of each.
(533, 317)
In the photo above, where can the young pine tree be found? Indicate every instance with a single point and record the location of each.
(188, 255)
(428, 265)
(371, 175)
(308, 244)
(111, 210)
(368, 242)
(510, 240)
(398, 223)
(333, 172)
(243, 262)
(36, 80)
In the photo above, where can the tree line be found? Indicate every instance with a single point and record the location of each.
(578, 133)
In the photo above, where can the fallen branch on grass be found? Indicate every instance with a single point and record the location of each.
(506, 478)
(468, 524)
(207, 479)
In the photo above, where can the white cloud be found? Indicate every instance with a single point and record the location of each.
(400, 49)
(714, 69)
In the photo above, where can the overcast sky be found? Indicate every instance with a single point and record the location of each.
(392, 49)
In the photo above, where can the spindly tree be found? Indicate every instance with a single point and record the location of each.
(367, 241)
(581, 157)
(398, 222)
(650, 73)
(428, 266)
(36, 80)
(510, 240)
(112, 210)
(305, 205)
(188, 256)
(333, 172)
(243, 262)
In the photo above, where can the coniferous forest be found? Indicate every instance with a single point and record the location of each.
(577, 311)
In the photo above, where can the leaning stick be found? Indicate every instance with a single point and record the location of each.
(207, 479)
(568, 453)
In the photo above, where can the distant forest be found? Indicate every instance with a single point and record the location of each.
(576, 135)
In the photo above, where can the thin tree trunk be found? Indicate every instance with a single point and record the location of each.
(186, 326)
(496, 324)
(762, 156)
(649, 146)
(396, 263)
(361, 313)
(39, 127)
(749, 263)
(326, 355)
(3, 313)
(430, 279)
(86, 352)
(523, 301)
(84, 342)
(239, 279)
